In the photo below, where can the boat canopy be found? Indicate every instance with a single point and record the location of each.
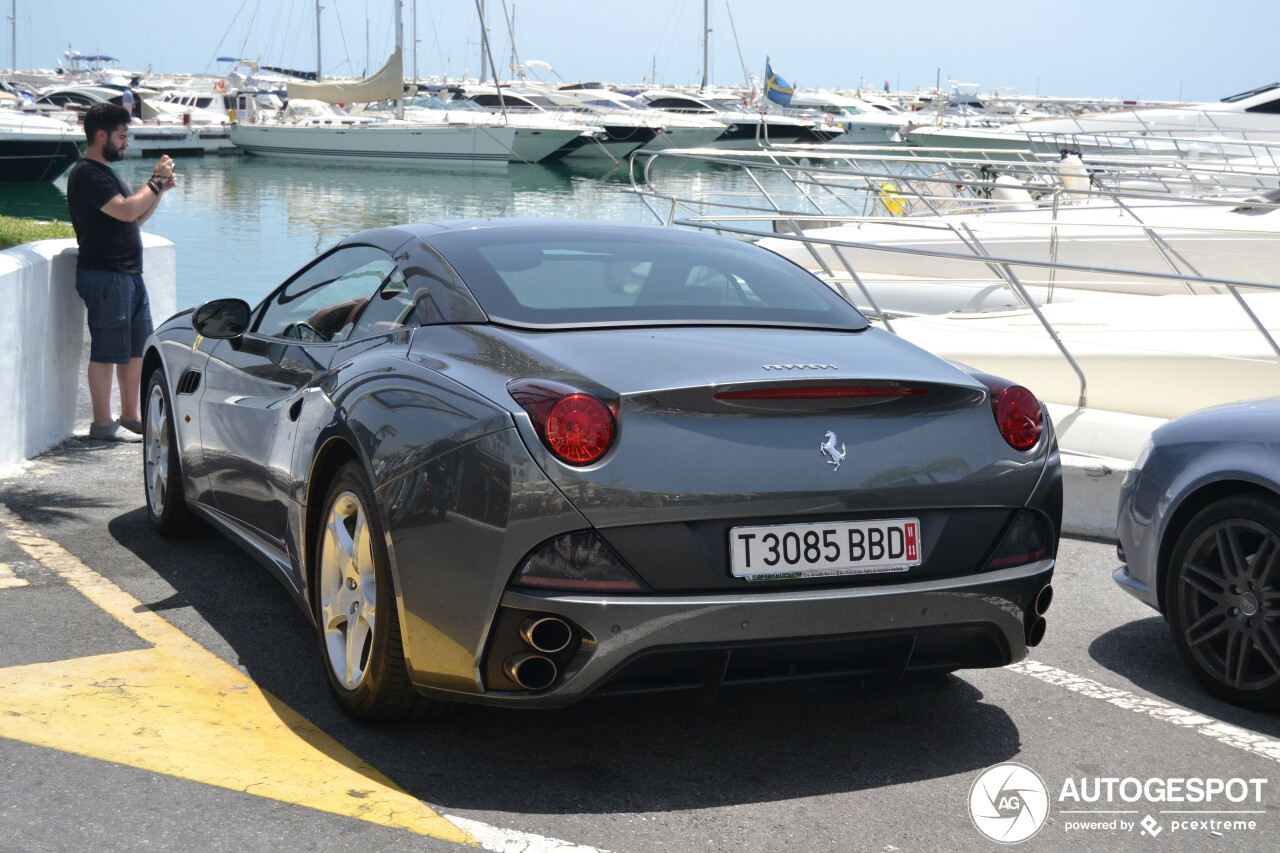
(386, 84)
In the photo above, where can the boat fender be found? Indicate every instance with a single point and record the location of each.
(891, 198)
(220, 85)
(1008, 189)
(1072, 174)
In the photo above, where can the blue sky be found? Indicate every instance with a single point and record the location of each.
(1123, 48)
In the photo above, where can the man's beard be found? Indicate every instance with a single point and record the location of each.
(110, 153)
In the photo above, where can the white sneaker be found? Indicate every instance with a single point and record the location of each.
(112, 432)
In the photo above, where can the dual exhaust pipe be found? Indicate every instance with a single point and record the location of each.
(1036, 624)
(545, 635)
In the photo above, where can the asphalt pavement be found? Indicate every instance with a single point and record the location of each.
(168, 695)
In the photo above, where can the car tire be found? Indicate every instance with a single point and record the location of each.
(162, 464)
(354, 602)
(1222, 599)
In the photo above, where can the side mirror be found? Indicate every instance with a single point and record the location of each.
(222, 318)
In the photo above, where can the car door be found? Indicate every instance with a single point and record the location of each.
(257, 384)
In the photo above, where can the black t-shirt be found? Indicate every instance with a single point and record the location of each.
(105, 242)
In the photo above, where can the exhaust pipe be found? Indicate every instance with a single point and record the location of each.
(1043, 600)
(547, 634)
(1035, 631)
(532, 672)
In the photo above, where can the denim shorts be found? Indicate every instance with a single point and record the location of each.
(119, 314)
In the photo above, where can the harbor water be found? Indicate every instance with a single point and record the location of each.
(242, 225)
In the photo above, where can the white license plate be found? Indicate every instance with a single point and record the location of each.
(781, 551)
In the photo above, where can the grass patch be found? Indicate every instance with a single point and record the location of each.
(15, 231)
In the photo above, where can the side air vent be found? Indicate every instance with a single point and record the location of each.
(189, 382)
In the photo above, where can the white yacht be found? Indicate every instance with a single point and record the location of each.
(1252, 116)
(857, 120)
(36, 148)
(538, 136)
(678, 130)
(623, 132)
(744, 129)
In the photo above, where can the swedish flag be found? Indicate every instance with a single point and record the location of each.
(778, 90)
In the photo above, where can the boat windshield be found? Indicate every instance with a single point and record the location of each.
(1231, 99)
(590, 277)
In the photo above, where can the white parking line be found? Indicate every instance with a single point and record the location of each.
(1172, 714)
(511, 841)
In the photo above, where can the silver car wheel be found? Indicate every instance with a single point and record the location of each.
(1229, 605)
(348, 589)
(155, 439)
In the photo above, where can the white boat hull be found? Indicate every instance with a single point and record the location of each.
(461, 146)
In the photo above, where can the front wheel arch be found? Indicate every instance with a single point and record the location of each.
(1188, 508)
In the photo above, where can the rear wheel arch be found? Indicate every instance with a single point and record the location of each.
(328, 460)
(1191, 505)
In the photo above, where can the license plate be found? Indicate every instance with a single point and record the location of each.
(781, 551)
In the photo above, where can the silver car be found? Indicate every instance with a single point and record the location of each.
(520, 463)
(1199, 530)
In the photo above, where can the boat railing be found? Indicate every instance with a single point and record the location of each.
(812, 182)
(787, 197)
(789, 229)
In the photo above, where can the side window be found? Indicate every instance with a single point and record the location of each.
(323, 302)
(390, 309)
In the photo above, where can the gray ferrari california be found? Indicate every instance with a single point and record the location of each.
(521, 462)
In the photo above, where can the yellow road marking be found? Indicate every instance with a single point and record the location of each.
(180, 710)
(9, 580)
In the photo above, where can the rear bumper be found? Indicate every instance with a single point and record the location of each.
(654, 643)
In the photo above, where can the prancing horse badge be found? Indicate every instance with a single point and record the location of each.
(828, 448)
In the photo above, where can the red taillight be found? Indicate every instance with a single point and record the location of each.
(1017, 412)
(578, 428)
(819, 392)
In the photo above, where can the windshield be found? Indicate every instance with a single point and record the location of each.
(1231, 99)
(568, 277)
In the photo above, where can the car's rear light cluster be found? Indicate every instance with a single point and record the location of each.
(577, 427)
(577, 561)
(1028, 539)
(1016, 410)
(822, 392)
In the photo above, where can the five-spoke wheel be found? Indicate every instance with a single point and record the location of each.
(354, 603)
(162, 465)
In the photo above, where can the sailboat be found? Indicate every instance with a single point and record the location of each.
(311, 129)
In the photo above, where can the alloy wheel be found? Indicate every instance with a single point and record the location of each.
(1228, 603)
(155, 440)
(348, 589)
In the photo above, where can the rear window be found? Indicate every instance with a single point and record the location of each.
(557, 278)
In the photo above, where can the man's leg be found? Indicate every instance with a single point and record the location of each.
(100, 391)
(130, 378)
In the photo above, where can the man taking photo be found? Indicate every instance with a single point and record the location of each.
(106, 218)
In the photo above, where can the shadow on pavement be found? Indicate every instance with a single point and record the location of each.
(634, 754)
(1143, 652)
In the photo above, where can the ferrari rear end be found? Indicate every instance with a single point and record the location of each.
(737, 503)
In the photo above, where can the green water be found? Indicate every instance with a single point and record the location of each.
(242, 225)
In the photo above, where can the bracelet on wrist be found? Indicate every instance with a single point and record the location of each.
(155, 186)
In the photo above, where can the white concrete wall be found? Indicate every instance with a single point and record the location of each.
(46, 343)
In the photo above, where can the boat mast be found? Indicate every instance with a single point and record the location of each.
(13, 21)
(318, 64)
(400, 51)
(483, 45)
(484, 51)
(706, 38)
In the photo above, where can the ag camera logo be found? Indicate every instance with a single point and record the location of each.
(1009, 803)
